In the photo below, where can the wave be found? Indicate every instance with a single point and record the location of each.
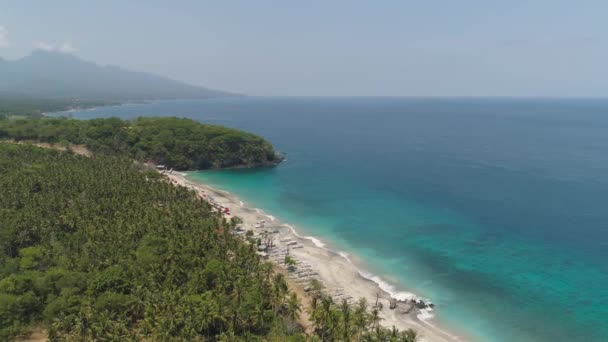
(345, 256)
(388, 288)
(423, 315)
(313, 239)
(261, 212)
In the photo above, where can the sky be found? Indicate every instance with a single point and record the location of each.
(332, 48)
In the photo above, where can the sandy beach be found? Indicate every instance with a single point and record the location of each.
(340, 277)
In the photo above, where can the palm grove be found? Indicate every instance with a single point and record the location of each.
(182, 144)
(102, 248)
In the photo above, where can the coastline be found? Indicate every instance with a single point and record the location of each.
(342, 278)
(85, 108)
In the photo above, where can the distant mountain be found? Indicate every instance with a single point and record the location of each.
(59, 75)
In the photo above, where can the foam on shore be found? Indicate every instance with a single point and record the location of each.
(313, 239)
(425, 314)
(388, 288)
(345, 256)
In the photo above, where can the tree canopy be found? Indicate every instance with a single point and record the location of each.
(182, 144)
(101, 248)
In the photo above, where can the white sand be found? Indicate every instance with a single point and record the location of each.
(340, 277)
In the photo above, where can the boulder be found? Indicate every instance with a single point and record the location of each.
(406, 309)
(418, 303)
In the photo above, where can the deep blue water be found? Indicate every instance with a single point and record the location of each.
(496, 209)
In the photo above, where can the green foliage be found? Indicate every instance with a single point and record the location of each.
(99, 249)
(114, 303)
(182, 144)
(113, 278)
(30, 257)
(290, 262)
(345, 322)
(235, 220)
(95, 249)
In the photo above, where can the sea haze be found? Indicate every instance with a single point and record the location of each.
(495, 209)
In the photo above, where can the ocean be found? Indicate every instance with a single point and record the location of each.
(494, 209)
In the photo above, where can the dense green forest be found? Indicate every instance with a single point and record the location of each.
(182, 144)
(105, 249)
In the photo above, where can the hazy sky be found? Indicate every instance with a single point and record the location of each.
(427, 47)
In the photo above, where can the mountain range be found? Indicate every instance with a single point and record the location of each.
(51, 74)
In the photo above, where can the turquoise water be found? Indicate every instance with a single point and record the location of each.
(496, 210)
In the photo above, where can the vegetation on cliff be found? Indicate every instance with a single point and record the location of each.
(182, 144)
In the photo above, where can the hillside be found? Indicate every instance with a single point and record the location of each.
(182, 144)
(45, 74)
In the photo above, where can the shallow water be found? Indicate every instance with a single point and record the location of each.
(495, 209)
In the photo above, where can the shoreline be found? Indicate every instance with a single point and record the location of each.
(341, 278)
(71, 109)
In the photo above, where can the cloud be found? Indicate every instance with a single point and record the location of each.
(44, 46)
(66, 47)
(3, 37)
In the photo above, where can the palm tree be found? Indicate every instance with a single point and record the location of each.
(237, 296)
(409, 335)
(346, 319)
(380, 334)
(293, 307)
(360, 318)
(375, 317)
(325, 318)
